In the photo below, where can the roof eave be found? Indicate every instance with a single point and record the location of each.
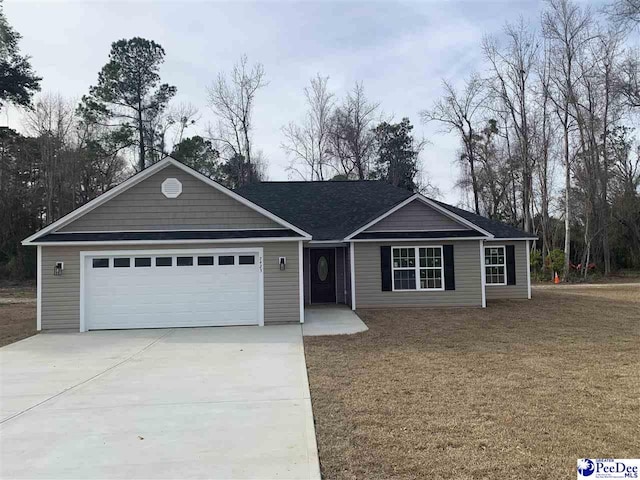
(169, 242)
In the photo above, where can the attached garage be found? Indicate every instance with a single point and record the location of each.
(171, 288)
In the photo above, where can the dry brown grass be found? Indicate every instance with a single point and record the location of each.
(19, 291)
(520, 390)
(17, 313)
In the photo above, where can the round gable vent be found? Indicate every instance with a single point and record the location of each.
(171, 188)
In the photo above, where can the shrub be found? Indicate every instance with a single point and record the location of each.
(555, 261)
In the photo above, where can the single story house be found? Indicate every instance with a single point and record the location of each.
(170, 247)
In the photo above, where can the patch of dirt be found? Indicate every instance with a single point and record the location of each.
(520, 389)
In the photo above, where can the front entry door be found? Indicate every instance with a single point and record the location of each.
(323, 278)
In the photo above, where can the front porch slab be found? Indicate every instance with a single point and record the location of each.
(331, 320)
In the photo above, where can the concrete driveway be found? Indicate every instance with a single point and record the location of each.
(227, 402)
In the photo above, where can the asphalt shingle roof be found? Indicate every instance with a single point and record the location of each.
(331, 210)
(327, 210)
(498, 229)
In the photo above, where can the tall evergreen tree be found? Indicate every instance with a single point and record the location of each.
(396, 160)
(129, 95)
(18, 82)
(199, 154)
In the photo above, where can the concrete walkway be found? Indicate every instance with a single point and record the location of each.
(331, 320)
(228, 403)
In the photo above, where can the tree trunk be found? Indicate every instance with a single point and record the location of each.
(472, 168)
(567, 198)
(474, 184)
(142, 151)
(605, 181)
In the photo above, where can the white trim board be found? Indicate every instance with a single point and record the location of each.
(301, 279)
(328, 243)
(483, 278)
(170, 242)
(507, 239)
(437, 239)
(84, 254)
(428, 202)
(39, 289)
(139, 177)
(352, 268)
(528, 247)
(176, 230)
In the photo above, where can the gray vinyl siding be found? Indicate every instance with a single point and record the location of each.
(61, 294)
(144, 207)
(415, 216)
(368, 279)
(520, 289)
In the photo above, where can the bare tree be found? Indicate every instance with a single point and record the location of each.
(351, 140)
(607, 52)
(459, 112)
(51, 121)
(511, 67)
(624, 12)
(627, 79)
(167, 130)
(232, 100)
(544, 132)
(565, 25)
(307, 143)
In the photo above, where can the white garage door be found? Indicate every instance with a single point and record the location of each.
(159, 289)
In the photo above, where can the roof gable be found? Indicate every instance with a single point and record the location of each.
(144, 207)
(416, 216)
(129, 208)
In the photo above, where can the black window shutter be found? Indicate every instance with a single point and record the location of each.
(449, 270)
(511, 265)
(385, 268)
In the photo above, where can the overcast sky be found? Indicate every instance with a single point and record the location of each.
(401, 51)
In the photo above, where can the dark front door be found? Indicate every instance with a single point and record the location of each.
(323, 278)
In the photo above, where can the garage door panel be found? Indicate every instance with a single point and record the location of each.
(169, 306)
(109, 290)
(172, 296)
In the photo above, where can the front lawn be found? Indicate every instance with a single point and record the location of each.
(519, 390)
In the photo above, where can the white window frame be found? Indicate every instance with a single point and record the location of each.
(417, 268)
(504, 265)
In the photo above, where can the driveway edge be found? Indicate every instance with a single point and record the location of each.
(310, 429)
